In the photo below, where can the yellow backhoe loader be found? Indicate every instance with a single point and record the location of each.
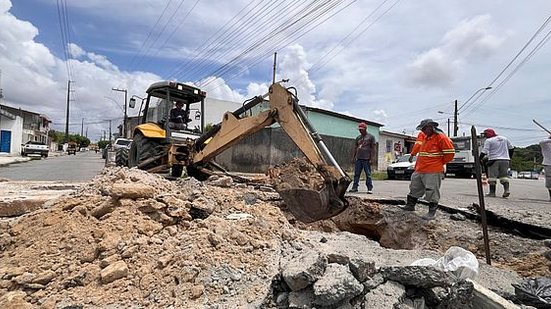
(158, 146)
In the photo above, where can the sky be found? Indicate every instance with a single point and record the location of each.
(392, 62)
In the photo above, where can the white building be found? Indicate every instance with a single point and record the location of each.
(11, 133)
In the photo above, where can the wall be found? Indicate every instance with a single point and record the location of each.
(15, 127)
(334, 126)
(272, 146)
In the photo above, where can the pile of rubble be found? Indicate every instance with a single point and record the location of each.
(312, 279)
(136, 239)
(133, 239)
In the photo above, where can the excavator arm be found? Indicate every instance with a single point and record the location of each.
(306, 205)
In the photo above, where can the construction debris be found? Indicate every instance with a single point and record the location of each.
(133, 239)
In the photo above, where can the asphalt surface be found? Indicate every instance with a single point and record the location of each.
(77, 168)
(528, 203)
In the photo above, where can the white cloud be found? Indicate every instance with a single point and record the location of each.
(441, 66)
(76, 51)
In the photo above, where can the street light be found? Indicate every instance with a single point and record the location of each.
(125, 109)
(456, 111)
(441, 112)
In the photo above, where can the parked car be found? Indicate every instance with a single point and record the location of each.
(121, 143)
(528, 175)
(401, 168)
(32, 147)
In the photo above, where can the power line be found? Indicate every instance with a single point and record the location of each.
(538, 31)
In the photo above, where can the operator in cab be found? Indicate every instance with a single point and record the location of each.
(179, 118)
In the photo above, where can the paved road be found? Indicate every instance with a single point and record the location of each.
(80, 167)
(528, 203)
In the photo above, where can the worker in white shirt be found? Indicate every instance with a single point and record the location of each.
(546, 152)
(497, 153)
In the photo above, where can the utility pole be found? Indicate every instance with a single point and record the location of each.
(455, 126)
(86, 132)
(125, 109)
(67, 116)
(109, 132)
(104, 135)
(274, 72)
(448, 126)
(82, 127)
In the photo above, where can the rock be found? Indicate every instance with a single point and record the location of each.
(163, 261)
(419, 276)
(266, 189)
(373, 282)
(461, 296)
(337, 258)
(132, 190)
(304, 270)
(224, 181)
(109, 242)
(14, 300)
(387, 295)
(88, 253)
(362, 269)
(103, 209)
(336, 284)
(547, 243)
(282, 300)
(301, 299)
(114, 271)
(13, 208)
(458, 217)
(189, 273)
(45, 277)
(435, 295)
(109, 260)
(214, 239)
(250, 198)
(196, 291)
(24, 278)
(547, 254)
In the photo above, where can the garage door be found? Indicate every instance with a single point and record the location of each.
(5, 141)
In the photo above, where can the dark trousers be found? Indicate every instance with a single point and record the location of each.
(364, 165)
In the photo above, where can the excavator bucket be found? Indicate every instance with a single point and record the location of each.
(310, 205)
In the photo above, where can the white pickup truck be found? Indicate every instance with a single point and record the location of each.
(32, 147)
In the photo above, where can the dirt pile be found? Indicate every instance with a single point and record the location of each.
(297, 173)
(134, 239)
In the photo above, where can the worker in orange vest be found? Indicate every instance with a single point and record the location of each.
(433, 150)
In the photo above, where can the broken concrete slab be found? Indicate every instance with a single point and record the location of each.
(418, 276)
(304, 270)
(336, 284)
(386, 295)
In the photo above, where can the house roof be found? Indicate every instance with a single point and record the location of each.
(398, 135)
(339, 115)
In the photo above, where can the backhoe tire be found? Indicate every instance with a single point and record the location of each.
(142, 149)
(197, 173)
(121, 157)
(176, 170)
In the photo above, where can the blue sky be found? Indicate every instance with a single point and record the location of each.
(394, 68)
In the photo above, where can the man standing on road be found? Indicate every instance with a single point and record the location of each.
(433, 150)
(546, 152)
(499, 152)
(364, 153)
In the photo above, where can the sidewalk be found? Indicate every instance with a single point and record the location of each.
(6, 160)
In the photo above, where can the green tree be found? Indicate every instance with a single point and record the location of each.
(102, 144)
(527, 159)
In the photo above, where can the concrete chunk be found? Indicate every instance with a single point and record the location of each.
(336, 285)
(304, 270)
(419, 276)
(387, 295)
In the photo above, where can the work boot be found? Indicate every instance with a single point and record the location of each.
(492, 192)
(432, 211)
(410, 203)
(353, 190)
(506, 192)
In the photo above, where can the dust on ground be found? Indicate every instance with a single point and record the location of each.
(396, 229)
(136, 239)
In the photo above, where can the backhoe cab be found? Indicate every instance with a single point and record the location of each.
(161, 142)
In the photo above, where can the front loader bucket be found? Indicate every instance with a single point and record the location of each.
(310, 205)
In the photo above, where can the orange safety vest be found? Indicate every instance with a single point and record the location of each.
(432, 152)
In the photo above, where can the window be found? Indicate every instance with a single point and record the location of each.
(388, 145)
